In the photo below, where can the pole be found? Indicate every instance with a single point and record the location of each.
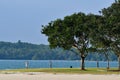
(26, 64)
(50, 64)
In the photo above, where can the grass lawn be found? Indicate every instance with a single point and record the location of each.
(66, 71)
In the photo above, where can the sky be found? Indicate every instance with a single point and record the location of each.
(22, 19)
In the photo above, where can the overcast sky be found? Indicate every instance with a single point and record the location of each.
(22, 19)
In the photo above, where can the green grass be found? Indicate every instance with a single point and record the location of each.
(65, 70)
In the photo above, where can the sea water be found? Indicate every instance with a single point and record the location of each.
(19, 64)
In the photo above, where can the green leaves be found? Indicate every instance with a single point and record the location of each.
(112, 17)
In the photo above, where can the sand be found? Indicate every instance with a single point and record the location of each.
(50, 76)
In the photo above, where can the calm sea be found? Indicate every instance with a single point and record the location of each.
(18, 64)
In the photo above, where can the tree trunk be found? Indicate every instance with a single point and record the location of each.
(82, 62)
(119, 61)
(97, 56)
(108, 64)
(97, 64)
(107, 57)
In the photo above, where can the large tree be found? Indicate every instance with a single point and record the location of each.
(82, 31)
(112, 26)
(73, 31)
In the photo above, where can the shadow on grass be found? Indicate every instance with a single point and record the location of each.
(113, 70)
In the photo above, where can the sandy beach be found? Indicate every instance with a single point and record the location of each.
(50, 76)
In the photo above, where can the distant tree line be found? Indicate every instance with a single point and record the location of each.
(28, 51)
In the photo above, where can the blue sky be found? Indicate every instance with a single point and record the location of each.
(22, 19)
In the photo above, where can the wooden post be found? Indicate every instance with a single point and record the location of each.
(50, 63)
(26, 64)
